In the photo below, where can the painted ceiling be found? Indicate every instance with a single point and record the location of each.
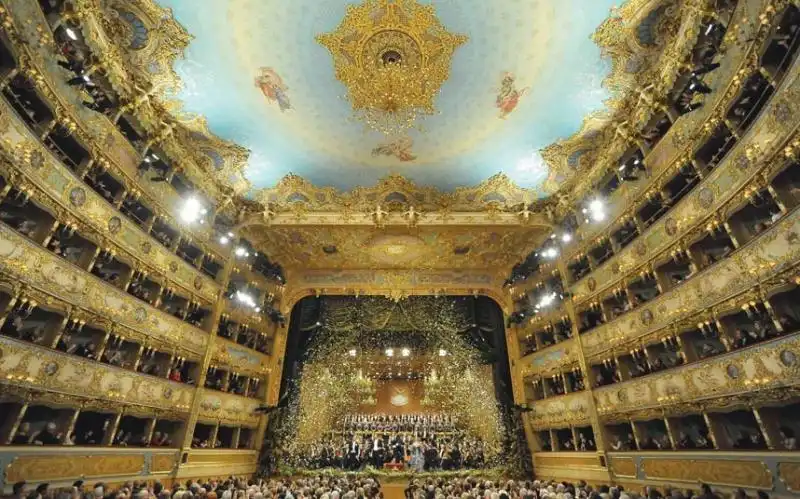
(299, 120)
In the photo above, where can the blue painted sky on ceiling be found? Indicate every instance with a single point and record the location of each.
(307, 128)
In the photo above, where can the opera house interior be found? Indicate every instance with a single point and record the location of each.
(518, 249)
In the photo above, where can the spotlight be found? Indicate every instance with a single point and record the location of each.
(598, 216)
(191, 211)
(566, 237)
(352, 352)
(240, 251)
(405, 352)
(245, 298)
(389, 352)
(258, 309)
(596, 205)
(442, 352)
(230, 234)
(550, 252)
(224, 240)
(71, 34)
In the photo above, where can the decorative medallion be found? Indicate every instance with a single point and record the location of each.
(50, 368)
(671, 226)
(146, 247)
(622, 395)
(788, 358)
(36, 159)
(114, 224)
(791, 237)
(782, 112)
(393, 56)
(705, 198)
(591, 283)
(742, 162)
(733, 371)
(173, 267)
(646, 316)
(616, 268)
(167, 392)
(140, 314)
(77, 196)
(640, 249)
(198, 283)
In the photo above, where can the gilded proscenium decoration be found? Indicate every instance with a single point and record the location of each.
(393, 56)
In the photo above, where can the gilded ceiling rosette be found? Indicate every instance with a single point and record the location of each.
(393, 56)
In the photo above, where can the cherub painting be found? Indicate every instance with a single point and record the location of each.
(508, 96)
(400, 149)
(273, 88)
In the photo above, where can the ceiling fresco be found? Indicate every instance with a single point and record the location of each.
(521, 75)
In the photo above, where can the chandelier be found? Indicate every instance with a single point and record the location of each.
(393, 57)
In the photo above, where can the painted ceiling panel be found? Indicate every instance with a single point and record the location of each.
(526, 76)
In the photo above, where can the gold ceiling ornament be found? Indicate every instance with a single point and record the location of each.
(393, 56)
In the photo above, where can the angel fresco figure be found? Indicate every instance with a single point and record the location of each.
(508, 96)
(273, 88)
(400, 149)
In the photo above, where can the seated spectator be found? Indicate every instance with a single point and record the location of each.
(47, 436)
(788, 439)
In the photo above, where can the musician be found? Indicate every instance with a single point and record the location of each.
(353, 455)
(378, 451)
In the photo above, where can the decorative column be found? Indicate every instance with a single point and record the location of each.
(597, 427)
(216, 313)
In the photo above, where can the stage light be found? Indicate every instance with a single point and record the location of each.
(566, 237)
(191, 210)
(389, 352)
(405, 352)
(258, 309)
(224, 240)
(245, 298)
(71, 34)
(240, 251)
(442, 352)
(352, 352)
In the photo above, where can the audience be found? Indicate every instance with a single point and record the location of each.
(352, 487)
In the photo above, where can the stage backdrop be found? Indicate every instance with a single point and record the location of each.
(398, 396)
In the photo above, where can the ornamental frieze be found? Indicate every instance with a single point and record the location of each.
(240, 359)
(228, 408)
(561, 412)
(38, 268)
(27, 367)
(766, 366)
(773, 252)
(555, 358)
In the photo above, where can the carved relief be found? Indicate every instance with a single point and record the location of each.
(64, 467)
(739, 473)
